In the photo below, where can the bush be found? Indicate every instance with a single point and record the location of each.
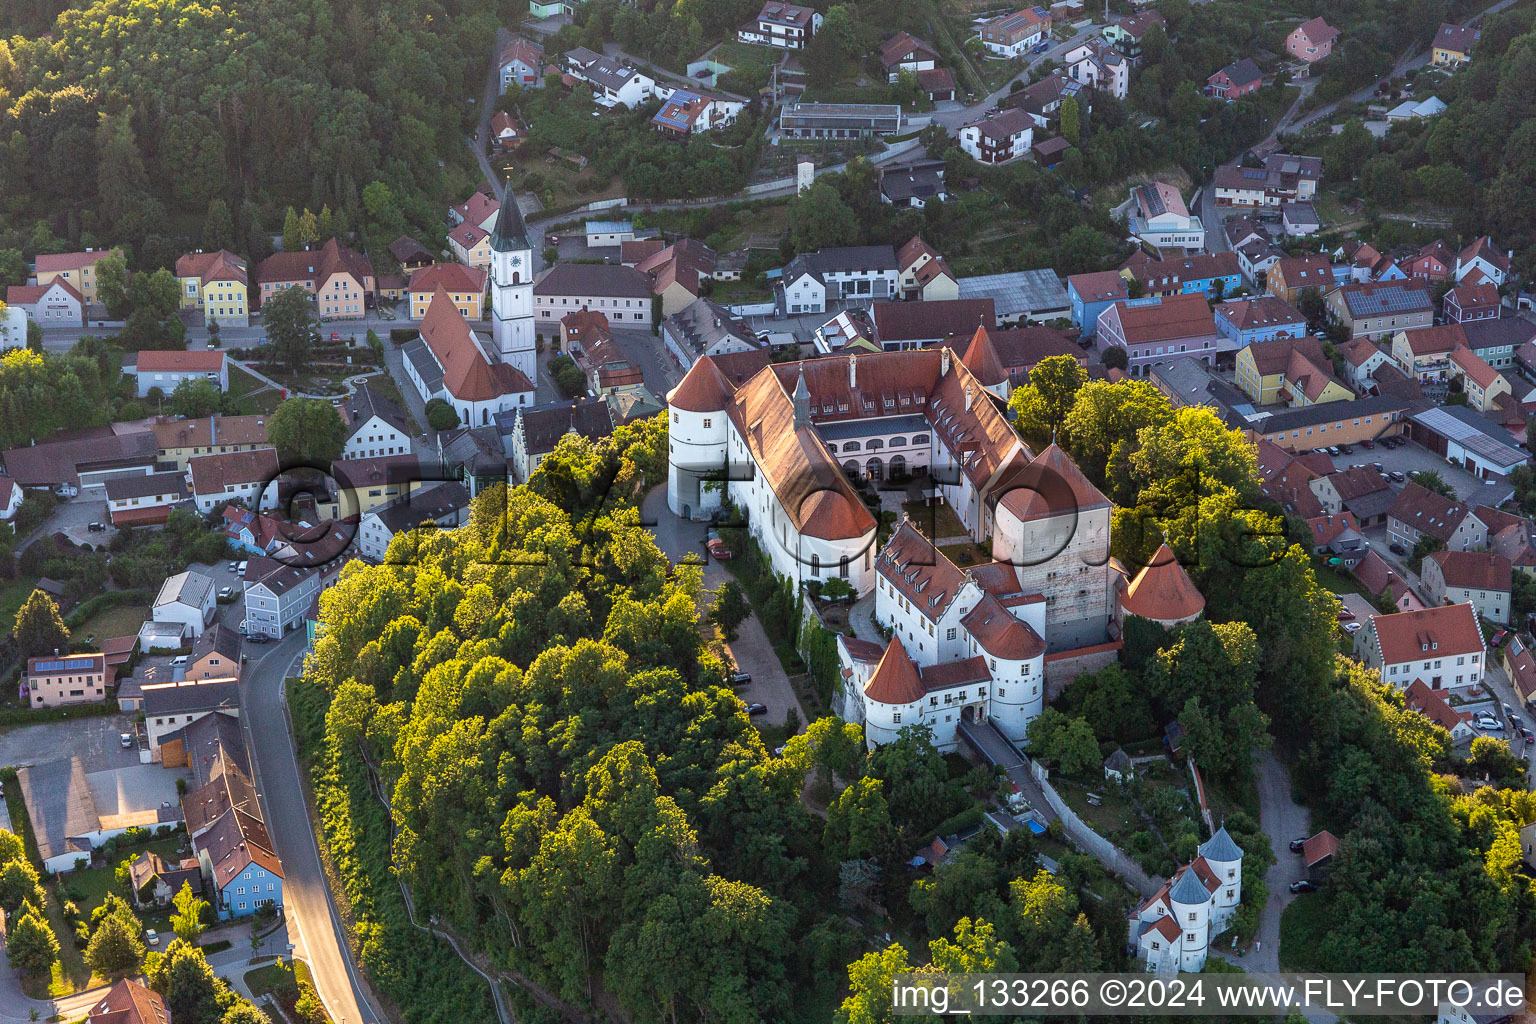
(568, 376)
(401, 335)
(440, 415)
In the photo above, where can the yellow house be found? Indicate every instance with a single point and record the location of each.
(179, 441)
(471, 245)
(1289, 277)
(77, 269)
(1483, 384)
(216, 283)
(464, 285)
(1453, 44)
(1288, 369)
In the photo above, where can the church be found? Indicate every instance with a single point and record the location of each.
(985, 645)
(448, 360)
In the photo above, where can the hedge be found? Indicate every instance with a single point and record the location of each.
(111, 599)
(967, 818)
(31, 716)
(400, 335)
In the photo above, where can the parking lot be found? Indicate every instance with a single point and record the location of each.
(1412, 458)
(94, 739)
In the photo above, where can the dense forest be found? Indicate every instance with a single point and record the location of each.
(137, 122)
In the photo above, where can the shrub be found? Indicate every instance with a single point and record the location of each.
(440, 415)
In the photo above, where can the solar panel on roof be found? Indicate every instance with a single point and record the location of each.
(71, 665)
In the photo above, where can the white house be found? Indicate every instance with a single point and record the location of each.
(447, 360)
(248, 477)
(1479, 577)
(186, 599)
(1481, 261)
(13, 327)
(1097, 63)
(787, 26)
(531, 434)
(1443, 646)
(55, 304)
(622, 294)
(853, 275)
(445, 504)
(166, 369)
(1159, 218)
(375, 426)
(144, 500)
(1172, 930)
(11, 498)
(613, 84)
(172, 706)
(277, 595)
(704, 328)
(998, 138)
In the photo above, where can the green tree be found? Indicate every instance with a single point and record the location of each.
(1071, 123)
(116, 946)
(195, 397)
(187, 922)
(13, 267)
(39, 628)
(730, 607)
(112, 284)
(871, 980)
(190, 989)
(244, 1012)
(218, 226)
(1069, 742)
(1042, 404)
(1107, 418)
(309, 429)
(309, 228)
(441, 415)
(291, 240)
(18, 885)
(292, 326)
(11, 847)
(858, 822)
(818, 219)
(1045, 911)
(30, 945)
(1431, 480)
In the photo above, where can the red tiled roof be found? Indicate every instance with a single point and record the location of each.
(454, 277)
(219, 265)
(1106, 285)
(27, 294)
(1325, 528)
(921, 321)
(1175, 316)
(1432, 705)
(1049, 485)
(999, 633)
(467, 374)
(1432, 632)
(1318, 31)
(1473, 366)
(915, 569)
(914, 249)
(50, 263)
(1261, 311)
(1428, 512)
(1163, 591)
(1522, 668)
(1319, 848)
(895, 680)
(129, 1002)
(1473, 570)
(188, 361)
(316, 266)
(211, 474)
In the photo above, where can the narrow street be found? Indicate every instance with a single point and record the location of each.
(1282, 820)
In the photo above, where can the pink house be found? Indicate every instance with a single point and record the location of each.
(1311, 41)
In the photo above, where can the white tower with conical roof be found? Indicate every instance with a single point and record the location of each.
(512, 289)
(1225, 859)
(1189, 903)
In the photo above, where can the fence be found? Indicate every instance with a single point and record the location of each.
(1108, 854)
(752, 309)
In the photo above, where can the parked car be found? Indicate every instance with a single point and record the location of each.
(241, 568)
(1368, 444)
(96, 527)
(1397, 477)
(719, 550)
(180, 660)
(151, 936)
(1352, 628)
(1041, 47)
(757, 709)
(1345, 449)
(1297, 844)
(126, 739)
(1398, 549)
(1507, 709)
(1297, 888)
(255, 638)
(1487, 721)
(1335, 450)
(335, 335)
(226, 593)
(740, 678)
(234, 566)
(1345, 614)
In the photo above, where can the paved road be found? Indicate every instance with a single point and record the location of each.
(312, 918)
(1282, 820)
(953, 117)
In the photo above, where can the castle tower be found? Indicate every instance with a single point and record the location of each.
(1190, 904)
(1225, 859)
(512, 289)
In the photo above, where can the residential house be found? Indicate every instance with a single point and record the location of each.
(507, 133)
(1425, 355)
(1452, 44)
(905, 52)
(998, 138)
(1334, 423)
(1128, 34)
(542, 9)
(522, 64)
(76, 269)
(409, 253)
(229, 833)
(1432, 705)
(531, 434)
(1498, 342)
(1366, 263)
(1337, 535)
(186, 599)
(1377, 310)
(1480, 261)
(1482, 384)
(855, 275)
(613, 83)
(850, 330)
(447, 360)
(375, 425)
(607, 369)
(179, 441)
(365, 484)
(924, 273)
(1259, 319)
(1434, 262)
(1173, 929)
(80, 458)
(1160, 219)
(247, 477)
(1000, 360)
(1289, 277)
(1091, 294)
(1311, 41)
(1042, 100)
(465, 285)
(1442, 646)
(1284, 178)
(470, 245)
(904, 325)
(1013, 33)
(1419, 513)
(802, 120)
(128, 1001)
(1300, 220)
(1467, 438)
(56, 304)
(1480, 577)
(11, 497)
(444, 504)
(687, 111)
(1470, 302)
(171, 706)
(67, 679)
(215, 654)
(144, 500)
(1153, 328)
(1210, 274)
(481, 209)
(705, 328)
(341, 279)
(1520, 666)
(1235, 81)
(1362, 357)
(1292, 369)
(783, 25)
(166, 368)
(276, 596)
(1096, 63)
(1255, 258)
(913, 184)
(1380, 580)
(678, 271)
(153, 882)
(937, 84)
(623, 294)
(217, 285)
(1362, 492)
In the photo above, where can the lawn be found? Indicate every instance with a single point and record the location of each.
(385, 386)
(934, 521)
(1303, 927)
(246, 391)
(123, 620)
(12, 595)
(89, 888)
(968, 553)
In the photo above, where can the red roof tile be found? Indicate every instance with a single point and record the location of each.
(1430, 633)
(1163, 591)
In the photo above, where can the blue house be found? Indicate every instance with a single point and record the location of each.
(249, 531)
(237, 852)
(224, 820)
(1209, 274)
(1092, 294)
(1264, 318)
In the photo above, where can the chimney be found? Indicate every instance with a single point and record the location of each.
(853, 372)
(944, 362)
(970, 396)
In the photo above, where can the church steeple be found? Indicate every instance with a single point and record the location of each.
(512, 288)
(802, 402)
(510, 233)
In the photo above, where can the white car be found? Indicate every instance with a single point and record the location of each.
(180, 660)
(151, 936)
(1351, 628)
(1487, 722)
(241, 568)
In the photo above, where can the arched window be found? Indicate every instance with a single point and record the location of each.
(517, 277)
(815, 565)
(919, 438)
(842, 567)
(851, 446)
(898, 441)
(874, 445)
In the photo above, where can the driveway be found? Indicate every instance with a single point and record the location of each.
(1282, 820)
(94, 739)
(73, 519)
(649, 352)
(1413, 458)
(752, 650)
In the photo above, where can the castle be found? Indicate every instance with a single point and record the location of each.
(1172, 930)
(985, 644)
